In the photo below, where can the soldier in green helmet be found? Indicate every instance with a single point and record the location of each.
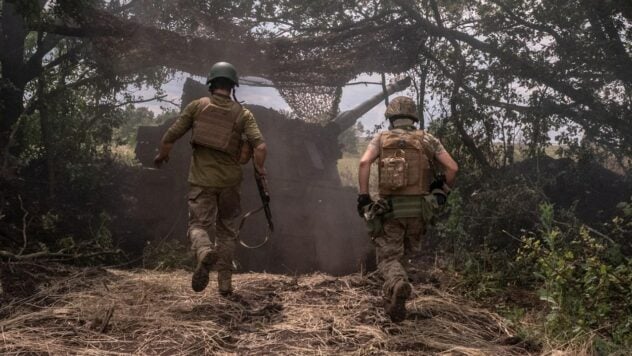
(224, 135)
(409, 162)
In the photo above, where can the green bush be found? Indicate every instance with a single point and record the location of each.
(479, 236)
(583, 277)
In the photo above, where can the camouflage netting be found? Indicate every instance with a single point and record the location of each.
(312, 103)
(312, 86)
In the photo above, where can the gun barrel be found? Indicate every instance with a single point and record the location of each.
(348, 118)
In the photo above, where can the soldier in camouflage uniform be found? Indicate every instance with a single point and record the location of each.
(223, 136)
(408, 196)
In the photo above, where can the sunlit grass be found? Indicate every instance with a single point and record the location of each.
(348, 170)
(124, 154)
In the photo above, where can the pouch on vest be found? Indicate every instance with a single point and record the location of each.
(404, 167)
(216, 127)
(394, 171)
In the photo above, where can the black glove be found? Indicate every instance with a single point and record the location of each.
(363, 200)
(437, 184)
(436, 188)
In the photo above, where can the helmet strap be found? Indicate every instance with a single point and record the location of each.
(235, 96)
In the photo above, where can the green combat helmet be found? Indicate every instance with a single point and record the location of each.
(223, 70)
(401, 107)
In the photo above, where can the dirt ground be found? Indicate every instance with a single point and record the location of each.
(114, 312)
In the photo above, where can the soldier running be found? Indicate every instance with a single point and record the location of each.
(408, 196)
(223, 133)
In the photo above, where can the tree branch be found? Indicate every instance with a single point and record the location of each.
(527, 69)
(454, 110)
(522, 66)
(139, 101)
(538, 27)
(54, 255)
(33, 66)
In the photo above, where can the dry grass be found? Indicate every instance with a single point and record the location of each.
(112, 312)
(348, 171)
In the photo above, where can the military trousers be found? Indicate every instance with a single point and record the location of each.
(213, 226)
(401, 239)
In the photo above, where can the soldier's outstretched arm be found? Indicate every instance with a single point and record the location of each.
(364, 171)
(259, 155)
(449, 165)
(177, 130)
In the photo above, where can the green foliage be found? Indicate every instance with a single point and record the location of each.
(102, 236)
(49, 221)
(485, 219)
(452, 230)
(583, 277)
(167, 254)
(502, 236)
(132, 117)
(483, 263)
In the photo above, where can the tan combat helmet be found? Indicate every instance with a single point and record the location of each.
(402, 107)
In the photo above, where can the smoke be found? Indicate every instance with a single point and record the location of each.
(316, 225)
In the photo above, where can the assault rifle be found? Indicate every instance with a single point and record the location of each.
(262, 186)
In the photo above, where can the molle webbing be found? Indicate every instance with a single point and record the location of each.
(217, 127)
(406, 207)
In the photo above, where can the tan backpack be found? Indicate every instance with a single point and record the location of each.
(405, 166)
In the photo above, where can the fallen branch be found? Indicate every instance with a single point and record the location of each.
(24, 225)
(53, 255)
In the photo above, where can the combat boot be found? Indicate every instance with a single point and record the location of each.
(396, 304)
(224, 283)
(206, 261)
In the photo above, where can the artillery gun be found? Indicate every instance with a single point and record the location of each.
(316, 224)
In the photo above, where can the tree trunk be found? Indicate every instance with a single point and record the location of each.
(12, 83)
(47, 136)
(421, 94)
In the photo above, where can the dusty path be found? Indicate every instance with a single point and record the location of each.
(111, 312)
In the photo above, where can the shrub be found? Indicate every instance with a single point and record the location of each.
(583, 276)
